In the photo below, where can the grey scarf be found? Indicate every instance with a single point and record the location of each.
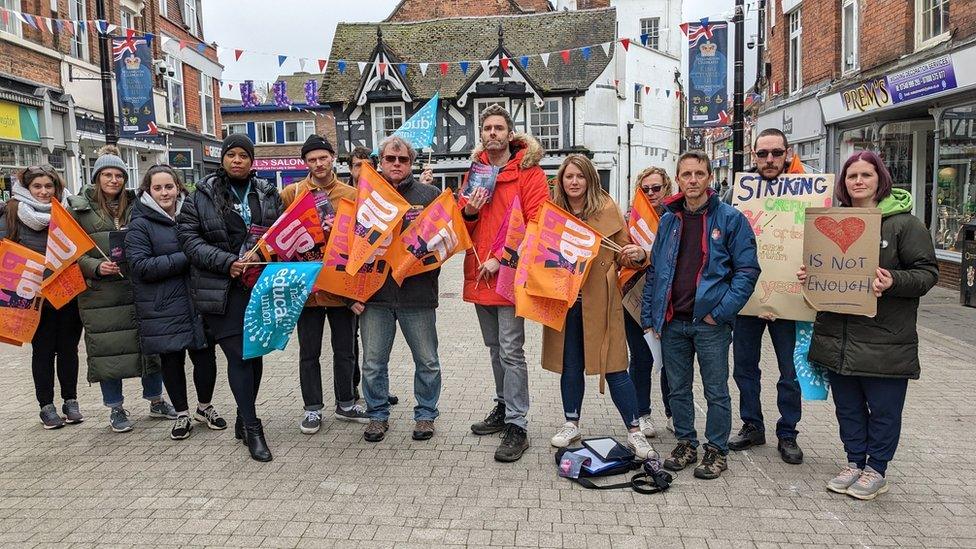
(32, 213)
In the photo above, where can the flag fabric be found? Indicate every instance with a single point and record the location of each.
(434, 236)
(548, 312)
(66, 240)
(21, 274)
(561, 256)
(642, 227)
(334, 277)
(418, 130)
(298, 230)
(60, 289)
(276, 301)
(505, 249)
(379, 209)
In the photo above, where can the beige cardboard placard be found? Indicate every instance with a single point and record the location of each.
(775, 210)
(841, 248)
(633, 299)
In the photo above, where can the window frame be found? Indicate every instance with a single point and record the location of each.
(190, 19)
(131, 158)
(225, 128)
(794, 73)
(854, 39)
(534, 112)
(921, 42)
(638, 105)
(207, 123)
(78, 45)
(14, 25)
(164, 8)
(123, 12)
(261, 124)
(375, 116)
(307, 127)
(653, 39)
(171, 82)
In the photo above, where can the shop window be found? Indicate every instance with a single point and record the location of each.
(265, 133)
(387, 117)
(796, 52)
(651, 27)
(931, 21)
(175, 108)
(12, 24)
(297, 131)
(849, 38)
(78, 11)
(956, 175)
(231, 129)
(546, 123)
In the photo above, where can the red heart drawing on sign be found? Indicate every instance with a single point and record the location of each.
(844, 233)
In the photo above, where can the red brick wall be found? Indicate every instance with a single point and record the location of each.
(820, 41)
(949, 272)
(887, 32)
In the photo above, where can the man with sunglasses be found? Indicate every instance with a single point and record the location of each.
(772, 156)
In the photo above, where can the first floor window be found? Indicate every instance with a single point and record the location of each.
(13, 24)
(545, 123)
(931, 20)
(297, 131)
(207, 114)
(638, 105)
(265, 132)
(175, 108)
(231, 129)
(651, 27)
(849, 37)
(795, 52)
(78, 11)
(131, 158)
(386, 119)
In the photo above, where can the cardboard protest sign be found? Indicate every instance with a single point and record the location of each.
(21, 272)
(775, 210)
(633, 300)
(841, 248)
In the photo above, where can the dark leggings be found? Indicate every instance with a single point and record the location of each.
(56, 340)
(244, 377)
(204, 375)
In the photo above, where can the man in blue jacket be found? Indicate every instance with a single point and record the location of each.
(703, 271)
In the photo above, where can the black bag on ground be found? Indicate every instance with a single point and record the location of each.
(651, 480)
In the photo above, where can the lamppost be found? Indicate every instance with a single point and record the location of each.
(105, 64)
(738, 68)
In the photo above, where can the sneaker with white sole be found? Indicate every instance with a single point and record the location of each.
(566, 435)
(182, 428)
(210, 416)
(120, 421)
(311, 422)
(638, 444)
(162, 410)
(356, 414)
(845, 479)
(647, 427)
(869, 485)
(50, 417)
(72, 412)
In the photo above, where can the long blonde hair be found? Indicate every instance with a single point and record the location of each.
(593, 199)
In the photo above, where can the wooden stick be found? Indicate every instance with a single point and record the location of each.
(610, 244)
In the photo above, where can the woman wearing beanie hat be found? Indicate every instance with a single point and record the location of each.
(107, 307)
(213, 229)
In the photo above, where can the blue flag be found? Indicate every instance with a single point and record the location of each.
(276, 301)
(418, 130)
(813, 380)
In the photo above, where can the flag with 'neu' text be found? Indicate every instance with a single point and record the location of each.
(21, 274)
(434, 236)
(561, 256)
(66, 240)
(642, 227)
(334, 277)
(546, 311)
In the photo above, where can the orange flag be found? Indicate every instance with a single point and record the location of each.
(548, 312)
(505, 250)
(64, 286)
(436, 234)
(66, 240)
(379, 209)
(334, 277)
(642, 227)
(562, 255)
(21, 274)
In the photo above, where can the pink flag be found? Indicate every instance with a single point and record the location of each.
(505, 250)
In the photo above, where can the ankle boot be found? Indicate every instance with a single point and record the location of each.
(239, 430)
(254, 438)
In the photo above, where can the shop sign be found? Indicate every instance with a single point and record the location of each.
(181, 159)
(211, 152)
(18, 122)
(278, 163)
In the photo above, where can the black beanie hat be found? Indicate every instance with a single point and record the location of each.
(317, 143)
(237, 140)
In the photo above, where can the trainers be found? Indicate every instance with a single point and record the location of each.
(683, 455)
(120, 420)
(181, 428)
(210, 416)
(845, 479)
(494, 422)
(72, 412)
(638, 444)
(670, 425)
(647, 427)
(790, 451)
(749, 436)
(712, 464)
(515, 441)
(566, 435)
(423, 430)
(869, 485)
(162, 410)
(356, 414)
(50, 417)
(311, 422)
(376, 430)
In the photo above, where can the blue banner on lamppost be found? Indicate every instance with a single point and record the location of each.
(134, 85)
(708, 92)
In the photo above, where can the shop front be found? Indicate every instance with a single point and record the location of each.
(802, 122)
(138, 154)
(281, 170)
(21, 144)
(194, 157)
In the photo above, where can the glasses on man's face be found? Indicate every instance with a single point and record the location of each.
(763, 153)
(394, 159)
(653, 189)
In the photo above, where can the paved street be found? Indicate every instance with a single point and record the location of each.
(85, 486)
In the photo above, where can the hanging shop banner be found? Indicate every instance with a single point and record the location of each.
(134, 79)
(18, 122)
(708, 92)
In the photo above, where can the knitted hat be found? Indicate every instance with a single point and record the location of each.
(237, 140)
(317, 143)
(109, 161)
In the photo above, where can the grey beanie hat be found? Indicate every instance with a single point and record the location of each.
(109, 161)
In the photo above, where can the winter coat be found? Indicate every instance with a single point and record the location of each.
(203, 235)
(26, 236)
(108, 311)
(603, 312)
(160, 274)
(730, 266)
(522, 177)
(886, 345)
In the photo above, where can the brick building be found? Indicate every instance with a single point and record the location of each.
(895, 77)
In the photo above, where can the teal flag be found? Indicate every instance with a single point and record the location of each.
(418, 130)
(813, 379)
(276, 301)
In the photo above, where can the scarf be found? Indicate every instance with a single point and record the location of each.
(32, 213)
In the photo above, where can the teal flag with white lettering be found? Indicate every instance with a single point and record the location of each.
(418, 130)
(276, 301)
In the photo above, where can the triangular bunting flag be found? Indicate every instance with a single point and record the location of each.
(230, 86)
(402, 67)
(4, 17)
(50, 24)
(703, 21)
(444, 68)
(586, 53)
(684, 28)
(149, 38)
(110, 28)
(667, 93)
(362, 67)
(637, 88)
(301, 63)
(238, 54)
(484, 65)
(341, 67)
(525, 61)
(201, 47)
(647, 90)
(182, 44)
(565, 56)
(423, 68)
(503, 62)
(545, 59)
(625, 42)
(322, 64)
(382, 68)
(464, 67)
(606, 48)
(281, 59)
(644, 37)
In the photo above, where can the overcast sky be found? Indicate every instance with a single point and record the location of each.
(304, 28)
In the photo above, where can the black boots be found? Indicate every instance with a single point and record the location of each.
(254, 438)
(239, 430)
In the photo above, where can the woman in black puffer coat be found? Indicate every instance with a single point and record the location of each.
(169, 325)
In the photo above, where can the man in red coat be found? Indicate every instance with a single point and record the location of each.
(517, 157)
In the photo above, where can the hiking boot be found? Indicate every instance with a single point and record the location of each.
(356, 414)
(120, 421)
(162, 410)
(647, 427)
(790, 451)
(312, 422)
(749, 436)
(683, 455)
(515, 441)
(845, 479)
(181, 428)
(712, 464)
(376, 430)
(72, 412)
(423, 430)
(566, 435)
(494, 422)
(869, 485)
(50, 417)
(210, 416)
(638, 444)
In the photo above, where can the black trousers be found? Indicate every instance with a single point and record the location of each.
(55, 349)
(311, 326)
(204, 375)
(244, 377)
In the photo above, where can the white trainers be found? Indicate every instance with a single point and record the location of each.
(638, 444)
(647, 427)
(869, 485)
(845, 479)
(566, 435)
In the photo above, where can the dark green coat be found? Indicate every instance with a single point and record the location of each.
(107, 309)
(886, 345)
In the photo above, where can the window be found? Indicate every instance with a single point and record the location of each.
(164, 8)
(651, 27)
(175, 109)
(127, 19)
(13, 24)
(265, 132)
(931, 21)
(206, 104)
(387, 117)
(297, 131)
(546, 123)
(795, 65)
(190, 16)
(231, 129)
(78, 11)
(849, 43)
(131, 159)
(482, 104)
(638, 105)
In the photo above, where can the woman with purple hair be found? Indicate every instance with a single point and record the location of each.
(870, 360)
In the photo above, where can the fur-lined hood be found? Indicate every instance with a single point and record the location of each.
(532, 155)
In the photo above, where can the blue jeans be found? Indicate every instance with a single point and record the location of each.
(869, 413)
(641, 368)
(572, 382)
(152, 389)
(680, 342)
(746, 347)
(377, 326)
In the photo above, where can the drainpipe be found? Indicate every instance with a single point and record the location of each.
(630, 127)
(934, 199)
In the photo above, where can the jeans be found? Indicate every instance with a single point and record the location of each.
(572, 382)
(869, 413)
(746, 346)
(244, 377)
(504, 335)
(378, 329)
(641, 368)
(204, 375)
(56, 342)
(152, 390)
(680, 342)
(342, 326)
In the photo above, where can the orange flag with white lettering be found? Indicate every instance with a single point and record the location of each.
(436, 234)
(562, 255)
(64, 286)
(66, 240)
(379, 209)
(642, 227)
(21, 274)
(548, 312)
(334, 276)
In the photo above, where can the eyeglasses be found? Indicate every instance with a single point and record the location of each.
(763, 153)
(393, 159)
(653, 189)
(111, 176)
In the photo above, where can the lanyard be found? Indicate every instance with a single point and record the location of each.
(245, 205)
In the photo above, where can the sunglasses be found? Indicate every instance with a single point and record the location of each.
(763, 153)
(393, 159)
(45, 169)
(653, 189)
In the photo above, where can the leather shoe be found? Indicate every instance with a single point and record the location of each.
(256, 444)
(790, 451)
(749, 436)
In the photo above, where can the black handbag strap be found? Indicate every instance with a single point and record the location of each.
(639, 483)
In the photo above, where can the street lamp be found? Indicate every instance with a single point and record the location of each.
(105, 64)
